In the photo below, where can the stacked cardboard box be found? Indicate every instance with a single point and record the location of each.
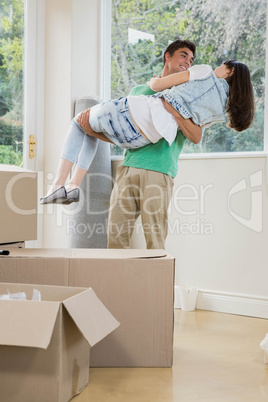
(18, 204)
(136, 285)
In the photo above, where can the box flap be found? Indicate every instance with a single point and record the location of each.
(13, 168)
(91, 316)
(38, 253)
(118, 253)
(87, 253)
(27, 323)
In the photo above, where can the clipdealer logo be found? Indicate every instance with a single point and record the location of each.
(255, 221)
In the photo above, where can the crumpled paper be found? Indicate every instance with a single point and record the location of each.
(21, 296)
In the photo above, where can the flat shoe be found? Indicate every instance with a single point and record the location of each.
(56, 197)
(72, 196)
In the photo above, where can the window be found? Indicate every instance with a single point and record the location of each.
(11, 81)
(221, 29)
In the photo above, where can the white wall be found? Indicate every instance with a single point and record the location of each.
(86, 43)
(72, 70)
(58, 38)
(213, 249)
(231, 262)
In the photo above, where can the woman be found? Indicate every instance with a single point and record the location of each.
(132, 122)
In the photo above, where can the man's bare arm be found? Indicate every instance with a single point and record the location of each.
(191, 131)
(83, 121)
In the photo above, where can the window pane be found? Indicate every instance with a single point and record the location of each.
(11, 81)
(221, 29)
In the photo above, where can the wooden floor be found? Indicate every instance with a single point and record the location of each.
(217, 358)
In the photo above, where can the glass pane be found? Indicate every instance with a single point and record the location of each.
(11, 81)
(221, 29)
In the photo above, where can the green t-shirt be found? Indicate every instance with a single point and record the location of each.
(160, 157)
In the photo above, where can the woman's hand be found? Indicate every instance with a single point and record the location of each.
(152, 82)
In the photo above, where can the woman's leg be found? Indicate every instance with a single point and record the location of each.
(78, 148)
(86, 155)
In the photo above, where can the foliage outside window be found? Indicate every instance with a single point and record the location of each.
(11, 81)
(222, 29)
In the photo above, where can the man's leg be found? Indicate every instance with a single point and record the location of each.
(123, 209)
(157, 192)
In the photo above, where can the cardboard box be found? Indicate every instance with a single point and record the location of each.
(18, 204)
(136, 285)
(17, 244)
(44, 345)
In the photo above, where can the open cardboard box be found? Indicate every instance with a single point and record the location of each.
(44, 345)
(136, 285)
(18, 204)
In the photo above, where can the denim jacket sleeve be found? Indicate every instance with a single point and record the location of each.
(202, 100)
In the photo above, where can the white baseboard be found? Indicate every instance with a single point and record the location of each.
(252, 306)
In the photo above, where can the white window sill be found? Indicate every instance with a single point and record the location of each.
(216, 155)
(225, 155)
(117, 158)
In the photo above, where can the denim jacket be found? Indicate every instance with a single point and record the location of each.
(202, 100)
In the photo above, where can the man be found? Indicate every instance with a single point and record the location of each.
(145, 179)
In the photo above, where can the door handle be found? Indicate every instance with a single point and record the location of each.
(31, 143)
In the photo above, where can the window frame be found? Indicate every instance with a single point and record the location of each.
(106, 19)
(34, 93)
(34, 81)
(105, 49)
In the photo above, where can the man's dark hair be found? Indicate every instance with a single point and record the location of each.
(179, 44)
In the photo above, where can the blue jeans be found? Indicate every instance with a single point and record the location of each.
(113, 119)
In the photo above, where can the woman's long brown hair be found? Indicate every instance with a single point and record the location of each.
(240, 105)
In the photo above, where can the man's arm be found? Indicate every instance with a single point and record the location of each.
(83, 121)
(190, 130)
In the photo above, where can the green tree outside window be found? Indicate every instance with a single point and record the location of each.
(11, 81)
(221, 29)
